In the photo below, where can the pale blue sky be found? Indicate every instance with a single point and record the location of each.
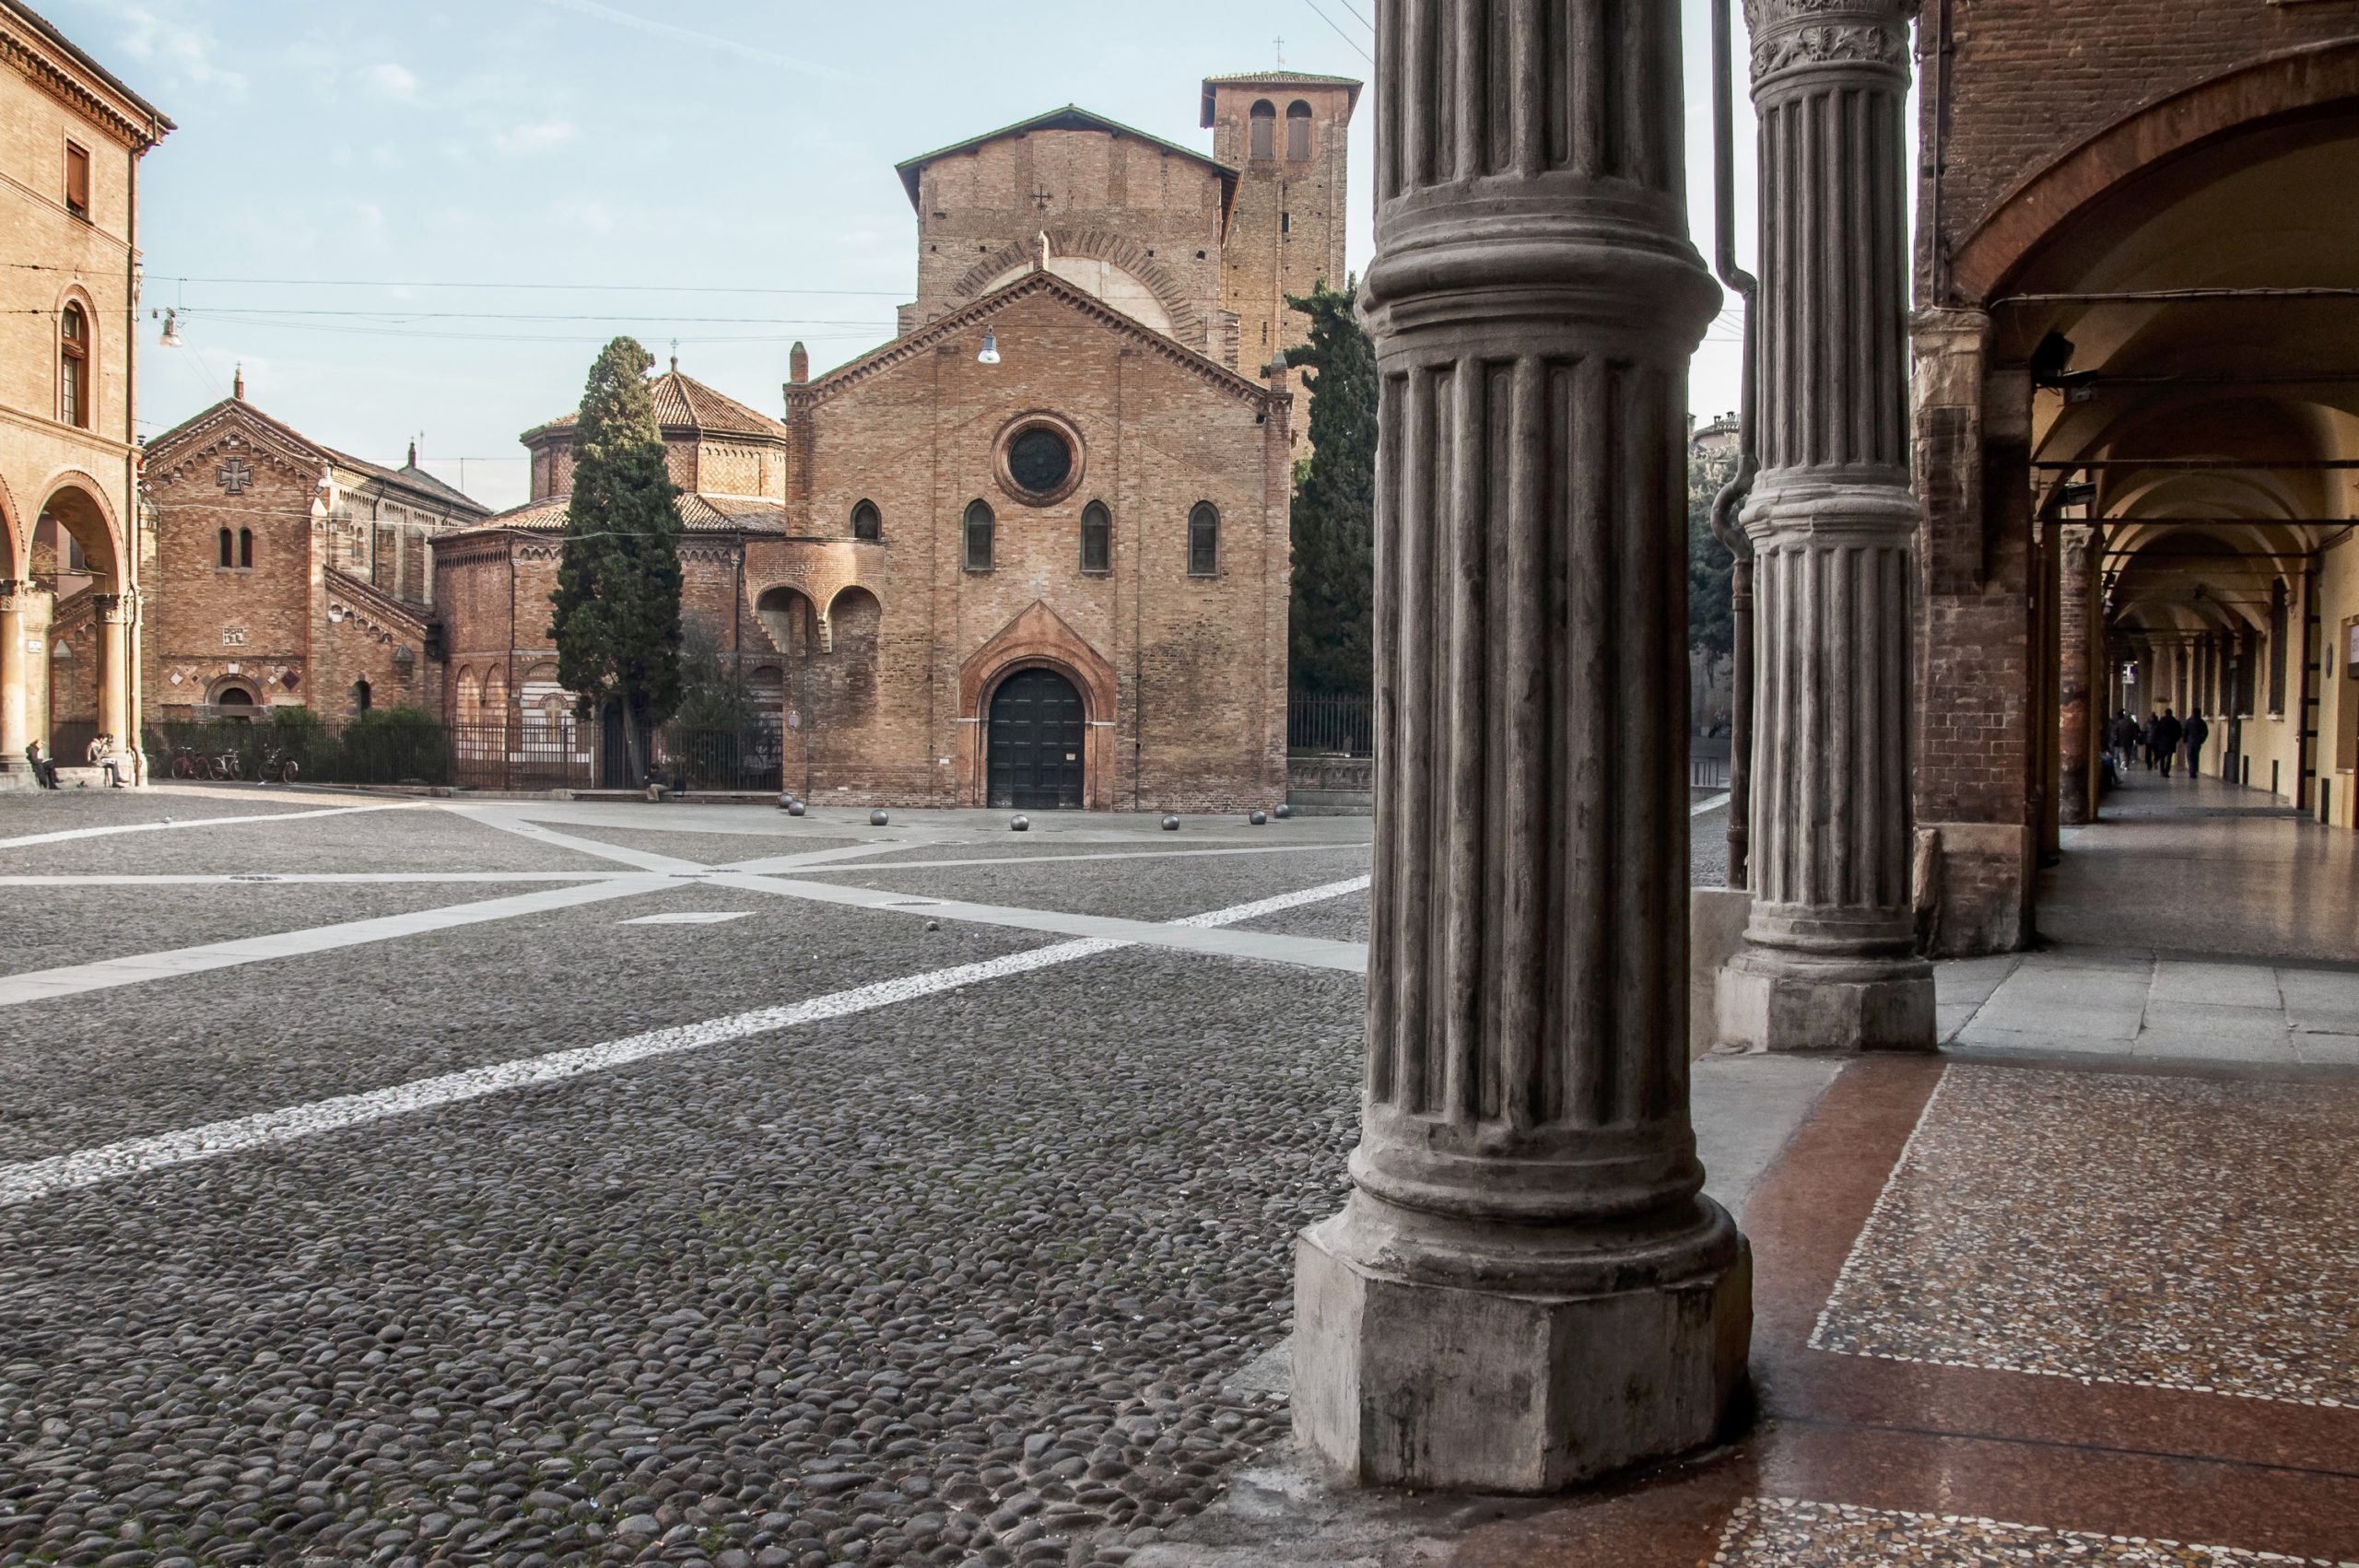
(657, 150)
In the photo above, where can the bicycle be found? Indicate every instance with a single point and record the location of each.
(276, 767)
(226, 767)
(186, 763)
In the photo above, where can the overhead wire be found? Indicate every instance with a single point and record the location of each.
(1339, 32)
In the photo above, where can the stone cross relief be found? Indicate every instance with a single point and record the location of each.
(234, 475)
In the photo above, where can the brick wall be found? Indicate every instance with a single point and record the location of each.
(2032, 78)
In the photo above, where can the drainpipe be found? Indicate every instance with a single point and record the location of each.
(1726, 504)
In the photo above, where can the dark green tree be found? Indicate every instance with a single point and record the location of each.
(617, 602)
(1332, 645)
(1709, 626)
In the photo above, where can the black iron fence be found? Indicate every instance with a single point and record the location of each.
(1331, 724)
(1708, 762)
(399, 745)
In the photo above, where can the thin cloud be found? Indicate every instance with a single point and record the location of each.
(395, 82)
(539, 138)
(689, 35)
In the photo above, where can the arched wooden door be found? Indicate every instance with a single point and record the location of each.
(1036, 741)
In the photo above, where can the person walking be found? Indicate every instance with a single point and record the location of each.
(2197, 732)
(2146, 740)
(44, 771)
(2125, 740)
(2164, 738)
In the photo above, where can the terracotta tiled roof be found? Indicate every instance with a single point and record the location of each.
(413, 478)
(1279, 79)
(1072, 117)
(683, 403)
(698, 514)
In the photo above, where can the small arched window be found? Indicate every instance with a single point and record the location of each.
(867, 522)
(1298, 131)
(1264, 118)
(1097, 538)
(360, 697)
(228, 549)
(74, 367)
(1203, 540)
(981, 526)
(245, 547)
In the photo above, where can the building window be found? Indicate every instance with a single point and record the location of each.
(1041, 458)
(74, 367)
(1298, 131)
(228, 549)
(2277, 608)
(1265, 130)
(867, 522)
(77, 181)
(246, 548)
(1097, 538)
(360, 695)
(1203, 540)
(981, 526)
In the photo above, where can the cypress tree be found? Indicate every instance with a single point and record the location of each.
(1332, 641)
(617, 602)
(1711, 624)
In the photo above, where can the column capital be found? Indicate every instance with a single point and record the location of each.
(9, 587)
(1797, 42)
(116, 609)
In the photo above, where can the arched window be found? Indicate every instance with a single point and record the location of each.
(867, 522)
(1097, 538)
(74, 367)
(229, 550)
(360, 695)
(245, 547)
(1265, 130)
(981, 526)
(1203, 540)
(1298, 131)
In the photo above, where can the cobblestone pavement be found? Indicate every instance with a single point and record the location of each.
(767, 1231)
(948, 1270)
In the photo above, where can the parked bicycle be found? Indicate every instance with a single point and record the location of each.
(277, 767)
(187, 764)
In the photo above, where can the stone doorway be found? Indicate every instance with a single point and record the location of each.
(1036, 743)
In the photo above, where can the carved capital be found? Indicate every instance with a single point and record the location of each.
(115, 609)
(1794, 36)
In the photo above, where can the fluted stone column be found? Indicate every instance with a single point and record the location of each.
(2080, 602)
(1829, 962)
(114, 615)
(1526, 1288)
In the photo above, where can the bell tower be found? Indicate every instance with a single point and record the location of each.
(1288, 134)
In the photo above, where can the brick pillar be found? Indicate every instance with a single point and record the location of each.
(2081, 668)
(1526, 1289)
(13, 735)
(1830, 960)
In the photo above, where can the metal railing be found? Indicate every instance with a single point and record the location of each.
(1331, 723)
(1708, 762)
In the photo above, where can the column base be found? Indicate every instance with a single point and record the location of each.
(1456, 1386)
(17, 774)
(1776, 1001)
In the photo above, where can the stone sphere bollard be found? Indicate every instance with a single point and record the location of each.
(1172, 825)
(1020, 824)
(1285, 810)
(786, 802)
(877, 818)
(1260, 819)
(794, 808)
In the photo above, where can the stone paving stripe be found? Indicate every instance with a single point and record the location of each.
(32, 1179)
(42, 985)
(1715, 803)
(232, 878)
(690, 918)
(1238, 914)
(765, 866)
(643, 859)
(62, 833)
(1199, 934)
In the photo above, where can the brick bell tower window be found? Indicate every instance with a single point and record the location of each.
(1297, 132)
(981, 526)
(1264, 118)
(867, 522)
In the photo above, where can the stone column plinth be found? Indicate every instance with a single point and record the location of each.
(1526, 1288)
(1830, 960)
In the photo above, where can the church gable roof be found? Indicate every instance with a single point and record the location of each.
(1281, 80)
(190, 439)
(845, 377)
(1072, 117)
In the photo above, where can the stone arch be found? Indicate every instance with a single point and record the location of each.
(1037, 639)
(77, 503)
(1188, 323)
(2280, 87)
